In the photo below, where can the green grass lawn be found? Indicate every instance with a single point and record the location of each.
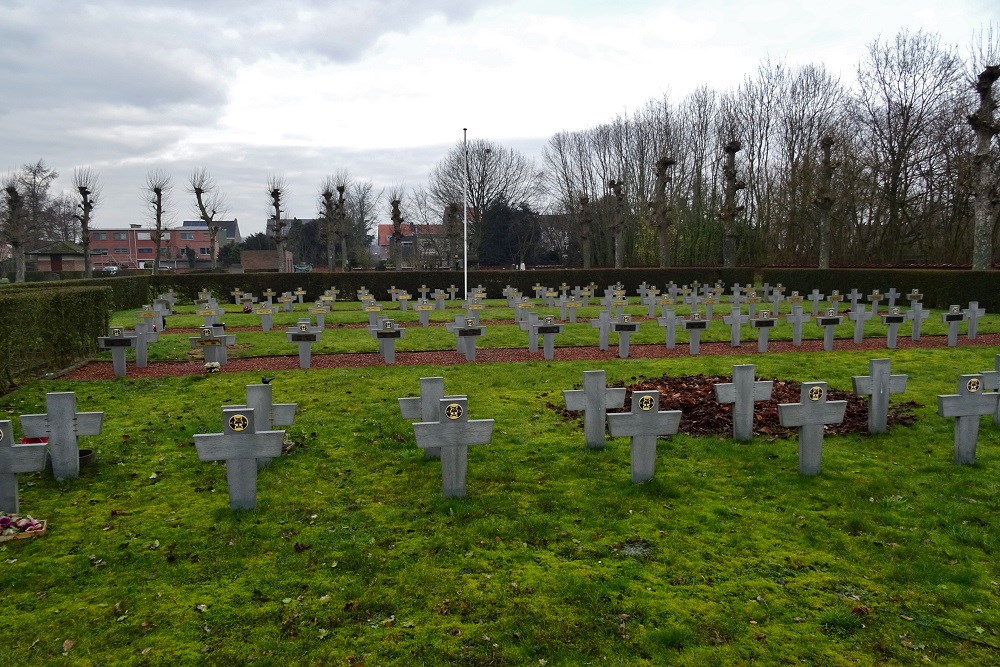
(727, 557)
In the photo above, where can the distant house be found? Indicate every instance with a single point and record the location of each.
(132, 247)
(57, 257)
(264, 260)
(419, 245)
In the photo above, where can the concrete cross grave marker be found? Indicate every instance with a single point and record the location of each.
(776, 298)
(797, 318)
(267, 413)
(892, 319)
(875, 297)
(815, 297)
(522, 309)
(644, 424)
(424, 308)
(953, 318)
(170, 297)
(829, 321)
(859, 315)
(854, 296)
(752, 301)
(547, 328)
(452, 291)
(735, 321)
(304, 335)
(710, 302)
(595, 399)
(453, 433)
(567, 308)
(473, 307)
(891, 296)
(641, 291)
(466, 332)
(364, 295)
(266, 315)
(237, 294)
(299, 293)
(269, 295)
(694, 326)
(205, 295)
(563, 289)
(62, 425)
(286, 300)
(763, 323)
(811, 414)
(914, 296)
(333, 293)
(528, 325)
(403, 298)
(213, 345)
(670, 321)
(666, 303)
(16, 459)
(603, 324)
(736, 295)
(439, 296)
(991, 381)
(426, 406)
(227, 340)
(650, 301)
(209, 315)
(917, 314)
(387, 333)
(372, 308)
(148, 314)
(248, 300)
(423, 290)
(624, 327)
(972, 314)
(393, 292)
(319, 311)
(549, 298)
(742, 392)
(835, 298)
(967, 406)
(118, 340)
(144, 335)
(240, 445)
(878, 384)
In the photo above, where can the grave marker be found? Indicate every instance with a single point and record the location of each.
(144, 335)
(875, 297)
(735, 320)
(742, 392)
(453, 433)
(892, 320)
(266, 315)
(643, 425)
(299, 293)
(811, 414)
(269, 295)
(16, 459)
(594, 399)
(304, 336)
(213, 345)
(763, 323)
(859, 315)
(918, 315)
(267, 413)
(387, 334)
(953, 318)
(240, 445)
(118, 340)
(829, 322)
(694, 326)
(466, 332)
(319, 311)
(670, 321)
(797, 318)
(547, 329)
(425, 407)
(891, 297)
(972, 314)
(815, 297)
(878, 384)
(967, 406)
(62, 425)
(624, 327)
(603, 324)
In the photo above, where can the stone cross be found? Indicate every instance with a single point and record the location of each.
(670, 321)
(170, 297)
(797, 318)
(650, 300)
(452, 291)
(603, 324)
(304, 336)
(776, 298)
(439, 296)
(209, 315)
(393, 292)
(387, 333)
(286, 299)
(212, 345)
(248, 300)
(473, 306)
(15, 459)
(752, 301)
(237, 294)
(892, 319)
(737, 294)
(967, 405)
(953, 318)
(811, 413)
(742, 392)
(549, 297)
(854, 296)
(914, 296)
(319, 310)
(991, 381)
(62, 425)
(641, 291)
(567, 308)
(694, 326)
(466, 332)
(403, 299)
(269, 295)
(859, 315)
(240, 445)
(154, 317)
(522, 309)
(538, 288)
(666, 303)
(644, 424)
(875, 297)
(425, 407)
(528, 325)
(735, 320)
(763, 323)
(424, 290)
(835, 298)
(266, 314)
(267, 413)
(118, 340)
(973, 313)
(829, 321)
(710, 302)
(424, 308)
(144, 335)
(453, 433)
(918, 315)
(878, 384)
(333, 293)
(563, 289)
(891, 297)
(547, 328)
(624, 327)
(594, 399)
(205, 294)
(373, 308)
(299, 293)
(815, 297)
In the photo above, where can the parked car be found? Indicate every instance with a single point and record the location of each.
(111, 269)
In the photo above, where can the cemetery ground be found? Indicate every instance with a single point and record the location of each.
(352, 556)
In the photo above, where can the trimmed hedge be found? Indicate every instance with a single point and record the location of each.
(941, 288)
(49, 329)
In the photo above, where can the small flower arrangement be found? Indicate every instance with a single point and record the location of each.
(212, 367)
(13, 526)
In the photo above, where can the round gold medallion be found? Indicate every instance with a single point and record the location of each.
(646, 403)
(239, 423)
(972, 385)
(815, 393)
(454, 411)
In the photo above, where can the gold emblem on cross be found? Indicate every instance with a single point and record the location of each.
(815, 393)
(453, 411)
(239, 423)
(973, 385)
(646, 403)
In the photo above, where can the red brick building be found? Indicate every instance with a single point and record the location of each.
(133, 247)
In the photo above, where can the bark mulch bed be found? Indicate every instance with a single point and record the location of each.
(701, 414)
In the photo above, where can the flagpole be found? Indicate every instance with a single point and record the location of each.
(465, 212)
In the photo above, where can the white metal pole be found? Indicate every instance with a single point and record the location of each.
(465, 212)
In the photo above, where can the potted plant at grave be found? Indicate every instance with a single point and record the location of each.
(18, 527)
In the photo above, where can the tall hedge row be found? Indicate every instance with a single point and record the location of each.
(941, 288)
(48, 329)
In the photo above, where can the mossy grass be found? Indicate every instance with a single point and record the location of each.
(727, 557)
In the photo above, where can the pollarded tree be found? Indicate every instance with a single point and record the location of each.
(824, 200)
(209, 204)
(155, 194)
(618, 220)
(395, 240)
(985, 125)
(278, 231)
(586, 221)
(15, 226)
(661, 207)
(333, 217)
(86, 182)
(729, 207)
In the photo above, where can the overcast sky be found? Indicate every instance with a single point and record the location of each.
(302, 88)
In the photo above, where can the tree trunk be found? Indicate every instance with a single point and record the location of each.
(824, 201)
(20, 271)
(729, 208)
(984, 209)
(343, 253)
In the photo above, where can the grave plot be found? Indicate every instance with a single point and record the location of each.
(702, 414)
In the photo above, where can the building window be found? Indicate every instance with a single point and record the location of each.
(164, 251)
(143, 236)
(204, 251)
(145, 251)
(100, 236)
(120, 236)
(165, 236)
(187, 236)
(121, 251)
(99, 251)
